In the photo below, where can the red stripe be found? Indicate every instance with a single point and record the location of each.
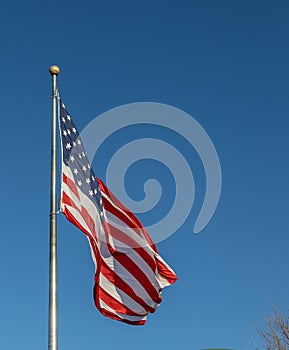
(67, 200)
(71, 185)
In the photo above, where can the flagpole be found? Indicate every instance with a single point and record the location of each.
(52, 322)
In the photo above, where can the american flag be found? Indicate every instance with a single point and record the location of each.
(130, 274)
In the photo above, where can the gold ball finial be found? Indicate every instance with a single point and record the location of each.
(54, 70)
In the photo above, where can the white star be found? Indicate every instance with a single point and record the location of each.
(87, 180)
(83, 154)
(95, 191)
(69, 132)
(74, 130)
(79, 156)
(75, 171)
(79, 183)
(72, 158)
(79, 142)
(68, 117)
(88, 166)
(84, 168)
(63, 119)
(68, 146)
(65, 133)
(90, 193)
(74, 144)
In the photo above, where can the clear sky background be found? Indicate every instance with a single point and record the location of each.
(226, 63)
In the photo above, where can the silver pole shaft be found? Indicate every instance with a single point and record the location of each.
(53, 324)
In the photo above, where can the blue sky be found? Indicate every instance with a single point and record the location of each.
(223, 62)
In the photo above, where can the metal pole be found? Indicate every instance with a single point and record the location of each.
(52, 323)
